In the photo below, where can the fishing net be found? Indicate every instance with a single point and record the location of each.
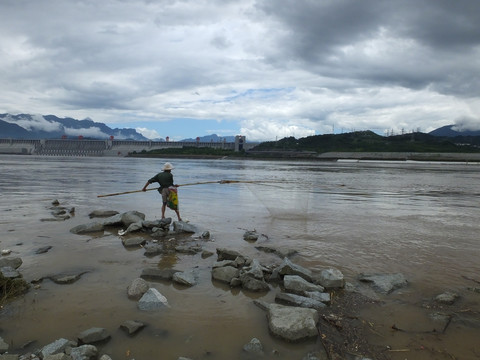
(283, 201)
(172, 200)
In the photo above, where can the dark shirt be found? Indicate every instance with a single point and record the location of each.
(165, 179)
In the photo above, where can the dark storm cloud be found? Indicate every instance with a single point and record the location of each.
(424, 42)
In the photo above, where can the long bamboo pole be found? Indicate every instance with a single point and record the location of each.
(190, 184)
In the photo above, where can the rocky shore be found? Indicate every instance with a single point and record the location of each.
(307, 305)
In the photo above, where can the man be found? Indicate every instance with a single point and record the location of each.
(165, 179)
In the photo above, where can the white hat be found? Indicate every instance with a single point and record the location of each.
(167, 166)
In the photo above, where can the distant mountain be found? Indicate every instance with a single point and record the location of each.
(212, 138)
(449, 131)
(26, 126)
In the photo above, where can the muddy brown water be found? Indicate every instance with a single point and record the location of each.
(420, 219)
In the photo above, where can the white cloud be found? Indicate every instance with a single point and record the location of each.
(90, 132)
(148, 133)
(275, 69)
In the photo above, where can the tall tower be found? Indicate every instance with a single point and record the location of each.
(239, 141)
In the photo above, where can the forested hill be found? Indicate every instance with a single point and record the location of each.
(368, 141)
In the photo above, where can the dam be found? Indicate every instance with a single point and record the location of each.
(110, 147)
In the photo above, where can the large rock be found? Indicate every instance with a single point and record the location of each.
(93, 335)
(163, 223)
(226, 254)
(289, 268)
(187, 278)
(87, 228)
(384, 283)
(137, 288)
(225, 274)
(84, 352)
(152, 300)
(14, 262)
(254, 348)
(298, 285)
(137, 241)
(131, 217)
(102, 213)
(292, 323)
(253, 284)
(330, 279)
(298, 300)
(56, 347)
(136, 226)
(132, 326)
(183, 227)
(115, 220)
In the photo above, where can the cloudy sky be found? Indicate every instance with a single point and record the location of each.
(265, 69)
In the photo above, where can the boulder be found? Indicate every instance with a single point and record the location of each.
(298, 300)
(254, 347)
(330, 279)
(162, 224)
(283, 253)
(225, 254)
(131, 217)
(152, 300)
(102, 213)
(136, 226)
(14, 262)
(183, 227)
(56, 347)
(187, 278)
(384, 283)
(137, 288)
(292, 323)
(84, 352)
(447, 298)
(87, 228)
(289, 268)
(93, 335)
(319, 296)
(225, 274)
(298, 285)
(9, 273)
(137, 241)
(253, 284)
(132, 327)
(115, 220)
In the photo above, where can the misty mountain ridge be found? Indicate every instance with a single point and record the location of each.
(26, 126)
(30, 127)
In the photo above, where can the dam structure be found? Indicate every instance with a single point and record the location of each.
(110, 147)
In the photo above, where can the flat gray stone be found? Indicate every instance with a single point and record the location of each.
(187, 278)
(289, 268)
(384, 283)
(87, 228)
(158, 274)
(330, 279)
(298, 285)
(84, 352)
(93, 335)
(298, 300)
(292, 323)
(14, 262)
(137, 241)
(225, 274)
(132, 327)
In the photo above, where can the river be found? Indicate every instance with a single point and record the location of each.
(416, 218)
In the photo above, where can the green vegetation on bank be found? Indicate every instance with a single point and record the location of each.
(368, 141)
(360, 141)
(189, 150)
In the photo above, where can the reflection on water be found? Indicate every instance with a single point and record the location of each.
(416, 218)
